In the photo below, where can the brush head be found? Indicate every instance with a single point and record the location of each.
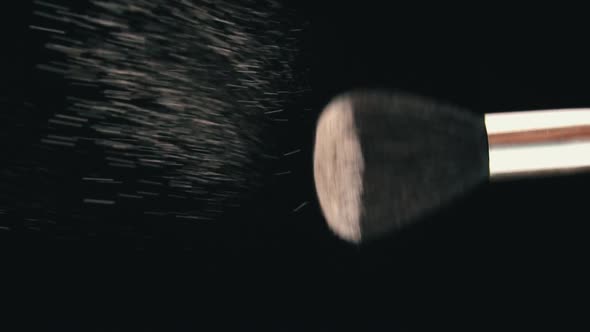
(384, 159)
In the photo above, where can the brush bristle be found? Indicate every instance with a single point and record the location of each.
(384, 159)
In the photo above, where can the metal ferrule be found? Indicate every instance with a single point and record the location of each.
(538, 142)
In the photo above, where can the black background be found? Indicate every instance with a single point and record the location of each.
(508, 256)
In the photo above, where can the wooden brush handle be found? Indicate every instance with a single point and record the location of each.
(538, 142)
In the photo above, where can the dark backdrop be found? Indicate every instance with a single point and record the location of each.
(508, 256)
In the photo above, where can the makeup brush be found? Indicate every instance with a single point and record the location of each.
(384, 159)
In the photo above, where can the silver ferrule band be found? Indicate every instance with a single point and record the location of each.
(538, 142)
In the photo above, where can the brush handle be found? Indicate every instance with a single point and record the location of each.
(538, 142)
